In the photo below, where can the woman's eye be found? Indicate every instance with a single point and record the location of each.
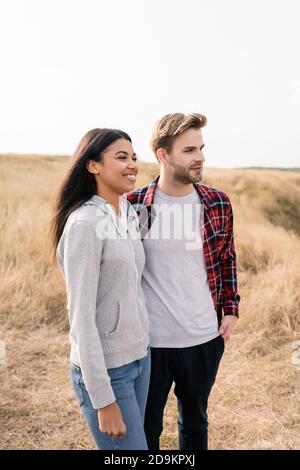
(123, 157)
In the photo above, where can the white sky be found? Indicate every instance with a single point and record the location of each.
(70, 65)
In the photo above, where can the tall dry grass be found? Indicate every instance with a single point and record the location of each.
(255, 401)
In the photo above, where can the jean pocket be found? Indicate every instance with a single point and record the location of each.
(116, 442)
(78, 384)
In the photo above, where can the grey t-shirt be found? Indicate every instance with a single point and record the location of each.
(174, 282)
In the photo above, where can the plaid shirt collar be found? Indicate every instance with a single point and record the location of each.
(149, 196)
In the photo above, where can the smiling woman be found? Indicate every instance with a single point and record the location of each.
(100, 164)
(115, 171)
(99, 250)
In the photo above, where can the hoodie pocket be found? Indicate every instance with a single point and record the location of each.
(129, 329)
(118, 323)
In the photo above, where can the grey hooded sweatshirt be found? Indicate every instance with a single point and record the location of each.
(102, 263)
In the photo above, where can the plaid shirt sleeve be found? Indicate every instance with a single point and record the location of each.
(229, 271)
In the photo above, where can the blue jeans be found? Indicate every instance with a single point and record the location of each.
(130, 384)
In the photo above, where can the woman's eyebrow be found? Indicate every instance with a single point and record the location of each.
(125, 153)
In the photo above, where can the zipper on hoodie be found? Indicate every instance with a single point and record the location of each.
(136, 273)
(134, 260)
(137, 278)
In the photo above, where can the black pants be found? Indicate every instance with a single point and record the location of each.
(193, 370)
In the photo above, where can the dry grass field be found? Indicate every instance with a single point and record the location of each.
(255, 403)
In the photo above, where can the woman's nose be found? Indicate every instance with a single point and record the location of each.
(132, 164)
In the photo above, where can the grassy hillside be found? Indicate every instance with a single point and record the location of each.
(255, 402)
(291, 169)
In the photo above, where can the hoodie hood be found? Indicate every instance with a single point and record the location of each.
(102, 204)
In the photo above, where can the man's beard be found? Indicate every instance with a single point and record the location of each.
(182, 175)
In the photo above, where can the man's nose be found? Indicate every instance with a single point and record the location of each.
(201, 157)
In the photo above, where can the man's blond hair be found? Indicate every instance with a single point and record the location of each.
(172, 125)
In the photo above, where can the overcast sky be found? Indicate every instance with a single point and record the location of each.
(70, 65)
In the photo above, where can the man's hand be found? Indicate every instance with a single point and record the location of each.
(227, 326)
(111, 421)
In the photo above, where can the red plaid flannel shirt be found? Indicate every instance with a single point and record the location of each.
(218, 243)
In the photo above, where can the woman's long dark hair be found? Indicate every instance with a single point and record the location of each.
(79, 184)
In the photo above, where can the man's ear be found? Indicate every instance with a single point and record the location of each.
(161, 155)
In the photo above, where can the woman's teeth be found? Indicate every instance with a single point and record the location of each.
(131, 178)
